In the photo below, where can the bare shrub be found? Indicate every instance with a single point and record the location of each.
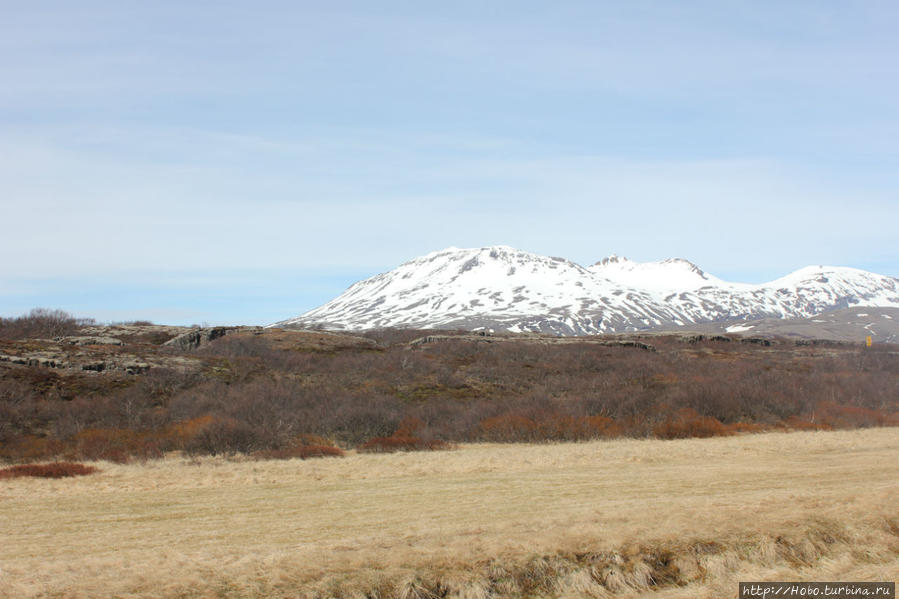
(405, 438)
(115, 445)
(304, 447)
(224, 436)
(258, 394)
(41, 323)
(843, 416)
(27, 448)
(508, 426)
(52, 470)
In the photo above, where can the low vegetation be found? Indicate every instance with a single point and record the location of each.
(407, 437)
(256, 393)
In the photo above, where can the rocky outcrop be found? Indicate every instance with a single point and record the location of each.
(481, 337)
(200, 337)
(132, 334)
(697, 338)
(89, 340)
(46, 359)
(126, 364)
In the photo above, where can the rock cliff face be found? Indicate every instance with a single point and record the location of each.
(199, 337)
(505, 289)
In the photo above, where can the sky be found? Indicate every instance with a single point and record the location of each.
(243, 162)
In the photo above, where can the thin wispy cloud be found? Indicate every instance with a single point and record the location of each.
(156, 142)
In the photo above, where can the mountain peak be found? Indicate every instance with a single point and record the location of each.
(452, 252)
(685, 264)
(469, 258)
(612, 259)
(665, 276)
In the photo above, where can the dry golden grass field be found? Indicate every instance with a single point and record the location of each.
(624, 518)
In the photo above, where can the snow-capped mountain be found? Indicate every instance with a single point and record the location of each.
(503, 288)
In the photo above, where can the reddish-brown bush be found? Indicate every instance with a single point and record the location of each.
(547, 426)
(508, 427)
(744, 427)
(602, 426)
(843, 416)
(396, 443)
(26, 448)
(51, 470)
(686, 423)
(181, 433)
(406, 438)
(304, 452)
(115, 445)
(303, 447)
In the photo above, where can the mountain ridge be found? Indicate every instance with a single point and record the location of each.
(503, 288)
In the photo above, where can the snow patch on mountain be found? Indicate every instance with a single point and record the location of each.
(673, 274)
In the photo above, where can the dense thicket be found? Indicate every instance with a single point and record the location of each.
(253, 397)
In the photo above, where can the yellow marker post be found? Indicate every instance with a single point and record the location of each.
(868, 340)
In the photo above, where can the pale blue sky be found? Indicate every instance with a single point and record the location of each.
(242, 162)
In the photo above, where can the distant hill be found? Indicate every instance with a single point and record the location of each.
(847, 324)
